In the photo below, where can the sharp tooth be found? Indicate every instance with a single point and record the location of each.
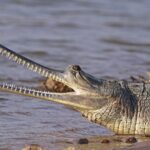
(42, 94)
(54, 77)
(15, 58)
(11, 86)
(24, 90)
(35, 68)
(46, 73)
(11, 56)
(23, 62)
(20, 89)
(6, 85)
(8, 54)
(43, 72)
(3, 52)
(3, 85)
(31, 66)
(20, 60)
(15, 88)
(28, 64)
(45, 94)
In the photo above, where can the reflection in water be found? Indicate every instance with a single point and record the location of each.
(107, 38)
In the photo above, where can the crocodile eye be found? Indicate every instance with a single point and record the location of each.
(76, 68)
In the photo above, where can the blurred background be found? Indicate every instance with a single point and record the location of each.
(107, 38)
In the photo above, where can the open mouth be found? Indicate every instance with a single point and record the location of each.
(56, 86)
(62, 90)
(55, 79)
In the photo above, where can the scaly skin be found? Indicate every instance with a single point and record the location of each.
(123, 107)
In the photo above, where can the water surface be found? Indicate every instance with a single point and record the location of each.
(107, 38)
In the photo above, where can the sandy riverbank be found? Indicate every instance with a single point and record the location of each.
(111, 143)
(137, 146)
(100, 143)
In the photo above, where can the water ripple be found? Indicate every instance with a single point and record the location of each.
(119, 41)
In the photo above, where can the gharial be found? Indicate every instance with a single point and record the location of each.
(122, 106)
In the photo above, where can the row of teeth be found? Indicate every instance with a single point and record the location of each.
(24, 90)
(34, 67)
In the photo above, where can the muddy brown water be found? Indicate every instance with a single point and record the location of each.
(107, 38)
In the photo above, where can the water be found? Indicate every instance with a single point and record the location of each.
(107, 38)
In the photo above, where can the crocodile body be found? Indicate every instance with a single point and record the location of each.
(123, 107)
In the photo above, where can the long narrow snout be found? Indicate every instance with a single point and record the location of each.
(56, 75)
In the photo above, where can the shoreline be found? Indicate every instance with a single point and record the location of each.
(113, 142)
(103, 143)
(137, 146)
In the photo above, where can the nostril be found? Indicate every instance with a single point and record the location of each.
(76, 67)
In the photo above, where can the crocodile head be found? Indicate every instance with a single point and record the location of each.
(89, 95)
(86, 91)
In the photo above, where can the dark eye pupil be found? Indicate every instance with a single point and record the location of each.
(76, 67)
